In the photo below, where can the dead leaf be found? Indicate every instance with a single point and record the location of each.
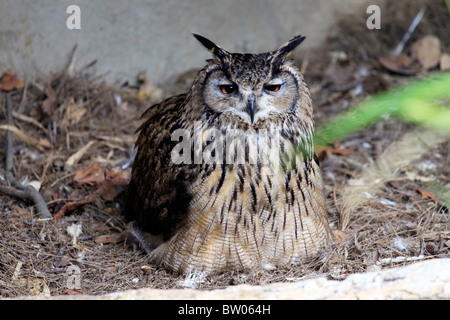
(10, 81)
(109, 238)
(340, 235)
(427, 51)
(68, 207)
(92, 176)
(73, 159)
(444, 61)
(44, 142)
(117, 178)
(340, 151)
(101, 228)
(72, 292)
(322, 151)
(63, 261)
(401, 65)
(48, 105)
(426, 194)
(106, 191)
(73, 113)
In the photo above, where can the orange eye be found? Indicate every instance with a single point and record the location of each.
(228, 88)
(272, 87)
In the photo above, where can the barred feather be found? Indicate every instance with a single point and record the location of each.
(221, 215)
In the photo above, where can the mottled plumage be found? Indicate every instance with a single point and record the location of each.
(211, 207)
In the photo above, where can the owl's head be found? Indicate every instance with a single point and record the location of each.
(252, 86)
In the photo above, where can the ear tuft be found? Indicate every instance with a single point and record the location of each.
(211, 46)
(289, 46)
(208, 44)
(220, 53)
(285, 50)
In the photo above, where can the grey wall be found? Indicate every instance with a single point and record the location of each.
(128, 36)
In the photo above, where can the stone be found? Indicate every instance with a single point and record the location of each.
(421, 280)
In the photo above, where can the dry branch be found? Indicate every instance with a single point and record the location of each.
(18, 190)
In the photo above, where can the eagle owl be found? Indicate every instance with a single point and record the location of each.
(225, 176)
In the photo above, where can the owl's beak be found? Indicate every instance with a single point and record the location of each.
(251, 107)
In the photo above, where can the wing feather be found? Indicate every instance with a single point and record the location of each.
(157, 197)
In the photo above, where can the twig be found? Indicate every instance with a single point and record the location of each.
(401, 259)
(22, 136)
(24, 95)
(68, 68)
(27, 119)
(20, 191)
(14, 192)
(9, 146)
(408, 33)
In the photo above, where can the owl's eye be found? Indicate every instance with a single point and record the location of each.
(272, 87)
(228, 88)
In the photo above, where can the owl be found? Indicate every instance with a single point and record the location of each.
(225, 176)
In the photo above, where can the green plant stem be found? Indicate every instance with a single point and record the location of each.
(424, 102)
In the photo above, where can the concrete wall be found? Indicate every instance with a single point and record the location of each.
(128, 36)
